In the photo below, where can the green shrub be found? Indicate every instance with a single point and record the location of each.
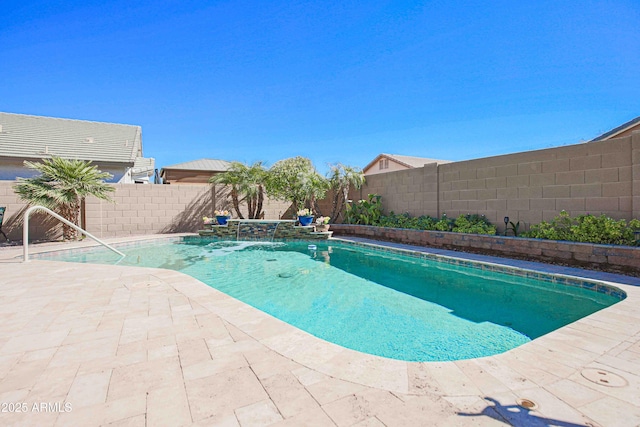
(365, 212)
(586, 228)
(405, 220)
(369, 212)
(444, 224)
(474, 224)
(583, 228)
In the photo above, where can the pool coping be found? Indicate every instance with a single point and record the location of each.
(591, 342)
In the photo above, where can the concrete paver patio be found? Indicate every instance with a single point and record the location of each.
(84, 345)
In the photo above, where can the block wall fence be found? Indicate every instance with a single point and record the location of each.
(138, 209)
(593, 177)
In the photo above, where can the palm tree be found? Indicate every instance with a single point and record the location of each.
(253, 189)
(247, 185)
(232, 179)
(62, 186)
(341, 179)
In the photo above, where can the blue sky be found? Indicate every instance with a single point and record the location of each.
(335, 81)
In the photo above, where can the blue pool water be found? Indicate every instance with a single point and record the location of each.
(374, 301)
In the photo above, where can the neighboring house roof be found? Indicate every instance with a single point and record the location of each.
(143, 165)
(408, 161)
(618, 130)
(34, 137)
(206, 165)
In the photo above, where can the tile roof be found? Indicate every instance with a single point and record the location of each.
(615, 131)
(34, 137)
(408, 161)
(415, 162)
(144, 164)
(211, 165)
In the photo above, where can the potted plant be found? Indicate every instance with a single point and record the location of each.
(322, 223)
(207, 221)
(305, 217)
(222, 217)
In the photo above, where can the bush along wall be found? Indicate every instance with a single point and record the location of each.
(369, 212)
(470, 223)
(587, 229)
(583, 228)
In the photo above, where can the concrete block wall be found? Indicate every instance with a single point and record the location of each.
(536, 185)
(41, 226)
(411, 190)
(138, 210)
(150, 209)
(595, 177)
(635, 175)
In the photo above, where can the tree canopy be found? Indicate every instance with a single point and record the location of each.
(297, 181)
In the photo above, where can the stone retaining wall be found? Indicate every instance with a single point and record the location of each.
(621, 259)
(256, 230)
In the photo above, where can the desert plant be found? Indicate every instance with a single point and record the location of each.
(62, 186)
(514, 228)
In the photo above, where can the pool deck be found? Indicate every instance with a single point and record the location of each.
(129, 346)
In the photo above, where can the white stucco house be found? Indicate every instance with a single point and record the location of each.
(113, 148)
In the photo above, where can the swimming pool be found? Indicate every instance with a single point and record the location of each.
(379, 301)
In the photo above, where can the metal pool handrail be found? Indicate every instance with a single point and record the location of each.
(25, 231)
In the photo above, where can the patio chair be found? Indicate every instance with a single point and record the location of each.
(2, 209)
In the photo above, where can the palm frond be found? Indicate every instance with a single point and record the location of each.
(63, 183)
